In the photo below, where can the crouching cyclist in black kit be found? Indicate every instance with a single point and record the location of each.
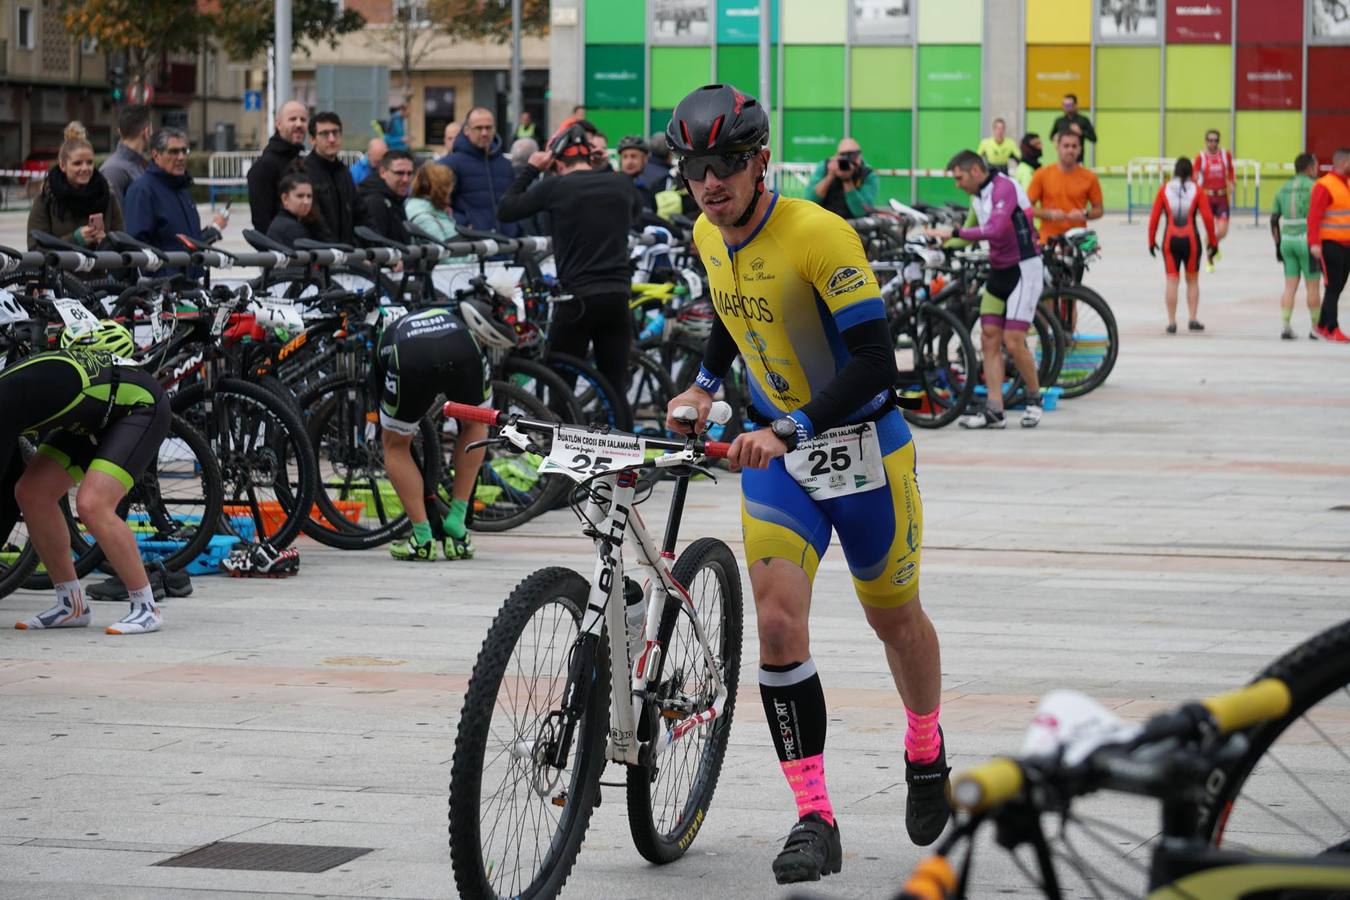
(422, 355)
(590, 214)
(99, 422)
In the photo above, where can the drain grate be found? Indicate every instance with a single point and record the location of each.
(266, 857)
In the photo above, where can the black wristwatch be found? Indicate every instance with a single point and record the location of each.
(785, 429)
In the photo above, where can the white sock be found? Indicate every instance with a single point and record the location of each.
(142, 597)
(70, 595)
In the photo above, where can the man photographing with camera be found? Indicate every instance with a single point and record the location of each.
(844, 184)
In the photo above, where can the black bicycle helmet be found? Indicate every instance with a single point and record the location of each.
(570, 142)
(633, 142)
(716, 119)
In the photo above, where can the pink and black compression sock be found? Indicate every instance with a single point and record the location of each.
(922, 741)
(794, 704)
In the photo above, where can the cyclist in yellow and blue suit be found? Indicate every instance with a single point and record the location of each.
(795, 298)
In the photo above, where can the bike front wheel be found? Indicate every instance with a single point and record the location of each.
(516, 820)
(1298, 762)
(668, 798)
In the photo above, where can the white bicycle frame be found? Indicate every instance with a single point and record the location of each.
(622, 526)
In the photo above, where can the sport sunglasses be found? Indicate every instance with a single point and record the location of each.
(723, 165)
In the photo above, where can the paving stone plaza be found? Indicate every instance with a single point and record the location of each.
(1159, 540)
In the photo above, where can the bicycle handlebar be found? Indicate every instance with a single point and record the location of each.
(999, 781)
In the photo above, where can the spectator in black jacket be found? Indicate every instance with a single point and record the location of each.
(590, 213)
(297, 217)
(383, 193)
(335, 198)
(281, 152)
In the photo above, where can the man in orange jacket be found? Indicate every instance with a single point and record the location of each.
(1329, 240)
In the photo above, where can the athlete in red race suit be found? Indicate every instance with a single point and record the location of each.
(1182, 201)
(1214, 173)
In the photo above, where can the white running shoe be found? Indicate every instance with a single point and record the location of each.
(59, 616)
(142, 619)
(1031, 416)
(984, 419)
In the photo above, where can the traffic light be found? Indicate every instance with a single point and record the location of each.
(117, 76)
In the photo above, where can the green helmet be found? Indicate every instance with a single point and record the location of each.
(110, 336)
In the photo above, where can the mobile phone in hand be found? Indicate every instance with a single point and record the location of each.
(96, 221)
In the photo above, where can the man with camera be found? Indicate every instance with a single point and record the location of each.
(844, 184)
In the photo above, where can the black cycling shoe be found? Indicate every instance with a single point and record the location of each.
(163, 583)
(812, 850)
(927, 806)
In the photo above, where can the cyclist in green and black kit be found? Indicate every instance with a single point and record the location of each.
(98, 422)
(1289, 227)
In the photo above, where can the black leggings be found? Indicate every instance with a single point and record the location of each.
(1335, 266)
(601, 319)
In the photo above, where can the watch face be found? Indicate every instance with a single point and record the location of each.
(784, 427)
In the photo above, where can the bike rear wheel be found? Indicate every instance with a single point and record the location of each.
(941, 369)
(668, 800)
(1091, 338)
(517, 823)
(1303, 757)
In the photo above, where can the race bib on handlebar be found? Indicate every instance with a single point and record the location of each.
(842, 461)
(580, 453)
(78, 320)
(218, 323)
(1076, 725)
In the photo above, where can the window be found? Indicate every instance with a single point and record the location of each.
(24, 30)
(413, 12)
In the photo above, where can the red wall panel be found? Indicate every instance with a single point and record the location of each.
(1269, 77)
(1270, 22)
(1329, 78)
(1327, 132)
(1200, 21)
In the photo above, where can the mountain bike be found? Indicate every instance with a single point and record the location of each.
(542, 714)
(1225, 771)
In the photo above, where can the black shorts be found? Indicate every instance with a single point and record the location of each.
(63, 397)
(422, 356)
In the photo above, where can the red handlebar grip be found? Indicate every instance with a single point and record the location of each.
(467, 413)
(716, 449)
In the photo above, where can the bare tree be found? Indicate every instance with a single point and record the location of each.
(410, 36)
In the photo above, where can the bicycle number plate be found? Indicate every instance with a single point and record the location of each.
(838, 462)
(580, 453)
(79, 321)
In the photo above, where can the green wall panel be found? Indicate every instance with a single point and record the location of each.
(952, 22)
(815, 21)
(813, 76)
(678, 70)
(1126, 134)
(616, 123)
(616, 21)
(740, 66)
(883, 78)
(884, 136)
(1114, 195)
(614, 75)
(1128, 78)
(943, 132)
(1199, 77)
(810, 135)
(942, 190)
(899, 188)
(1269, 136)
(1186, 130)
(949, 76)
(738, 21)
(660, 118)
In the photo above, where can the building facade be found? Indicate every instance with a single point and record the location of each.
(916, 80)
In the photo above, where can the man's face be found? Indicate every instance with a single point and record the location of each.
(1067, 147)
(1339, 165)
(327, 140)
(292, 121)
(482, 128)
(999, 131)
(1070, 106)
(1036, 144)
(631, 161)
(398, 175)
(173, 158)
(724, 200)
(451, 132)
(969, 179)
(525, 118)
(1212, 142)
